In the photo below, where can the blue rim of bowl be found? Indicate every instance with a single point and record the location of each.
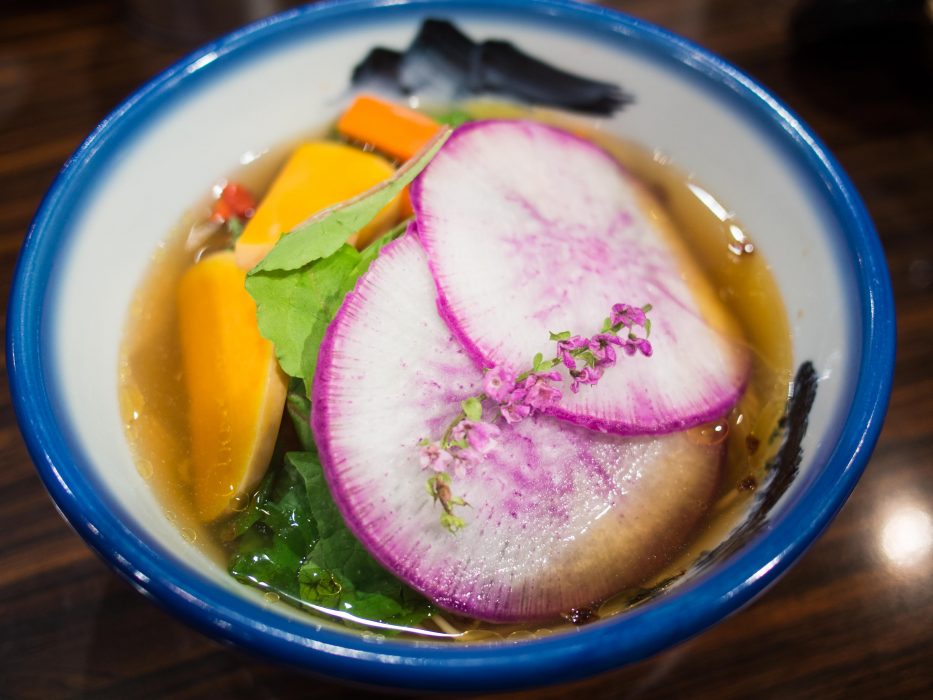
(592, 649)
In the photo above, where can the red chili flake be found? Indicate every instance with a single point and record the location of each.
(234, 201)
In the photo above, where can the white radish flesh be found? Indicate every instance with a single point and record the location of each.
(530, 229)
(561, 517)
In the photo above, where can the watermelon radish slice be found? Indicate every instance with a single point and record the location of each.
(530, 229)
(561, 516)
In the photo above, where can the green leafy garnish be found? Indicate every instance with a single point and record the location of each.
(279, 531)
(298, 546)
(366, 589)
(294, 307)
(324, 233)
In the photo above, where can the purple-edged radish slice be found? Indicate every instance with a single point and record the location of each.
(531, 229)
(561, 516)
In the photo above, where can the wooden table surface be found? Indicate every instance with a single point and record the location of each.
(854, 618)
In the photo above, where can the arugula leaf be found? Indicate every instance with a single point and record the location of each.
(325, 232)
(294, 307)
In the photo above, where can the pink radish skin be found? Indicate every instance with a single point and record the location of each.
(561, 516)
(530, 229)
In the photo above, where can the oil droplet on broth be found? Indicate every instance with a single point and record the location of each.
(240, 502)
(709, 433)
(271, 597)
(188, 535)
(740, 243)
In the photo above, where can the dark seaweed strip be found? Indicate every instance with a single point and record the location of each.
(506, 70)
(445, 63)
(380, 65)
(441, 58)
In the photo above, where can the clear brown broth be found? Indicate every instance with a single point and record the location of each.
(153, 403)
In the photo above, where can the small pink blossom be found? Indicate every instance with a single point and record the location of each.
(498, 383)
(587, 375)
(627, 315)
(633, 345)
(479, 435)
(540, 394)
(514, 412)
(471, 440)
(601, 347)
(518, 394)
(564, 348)
(434, 457)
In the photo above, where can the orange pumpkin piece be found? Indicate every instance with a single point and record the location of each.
(318, 175)
(236, 390)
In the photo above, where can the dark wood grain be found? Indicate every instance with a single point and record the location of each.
(847, 621)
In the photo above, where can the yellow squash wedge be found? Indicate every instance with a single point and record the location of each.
(236, 390)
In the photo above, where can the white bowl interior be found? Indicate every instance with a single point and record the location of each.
(177, 151)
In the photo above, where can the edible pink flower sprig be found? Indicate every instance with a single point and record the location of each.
(468, 438)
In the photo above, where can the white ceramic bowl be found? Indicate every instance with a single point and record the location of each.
(89, 247)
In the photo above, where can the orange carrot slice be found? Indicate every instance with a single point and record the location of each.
(236, 390)
(396, 131)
